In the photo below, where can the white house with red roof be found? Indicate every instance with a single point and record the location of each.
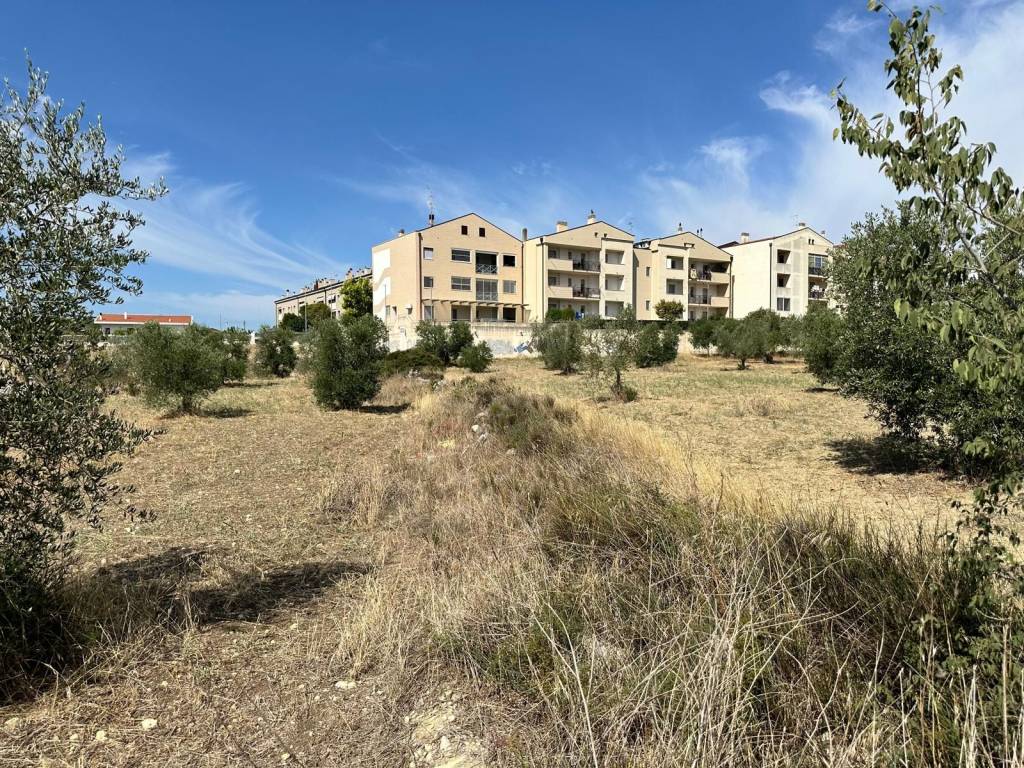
(111, 322)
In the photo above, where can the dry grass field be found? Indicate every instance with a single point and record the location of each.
(250, 622)
(768, 433)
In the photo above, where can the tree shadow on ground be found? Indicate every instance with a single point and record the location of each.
(384, 409)
(250, 384)
(883, 455)
(225, 413)
(124, 602)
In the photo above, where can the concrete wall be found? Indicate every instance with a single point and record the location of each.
(504, 339)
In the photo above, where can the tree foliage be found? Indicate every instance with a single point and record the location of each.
(177, 367)
(702, 333)
(292, 322)
(476, 357)
(656, 345)
(236, 359)
(444, 342)
(345, 360)
(669, 310)
(559, 344)
(275, 351)
(357, 297)
(611, 350)
(819, 336)
(64, 248)
(315, 313)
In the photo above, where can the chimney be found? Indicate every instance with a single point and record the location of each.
(125, 315)
(744, 237)
(525, 238)
(591, 218)
(802, 224)
(430, 219)
(679, 227)
(561, 226)
(401, 232)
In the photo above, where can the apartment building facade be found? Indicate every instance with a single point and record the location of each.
(784, 273)
(326, 290)
(465, 268)
(683, 268)
(587, 269)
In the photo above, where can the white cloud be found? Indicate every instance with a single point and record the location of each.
(827, 183)
(213, 229)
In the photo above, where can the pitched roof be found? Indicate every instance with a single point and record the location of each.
(581, 226)
(449, 221)
(125, 317)
(773, 237)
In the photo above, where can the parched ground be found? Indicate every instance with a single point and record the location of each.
(221, 618)
(769, 432)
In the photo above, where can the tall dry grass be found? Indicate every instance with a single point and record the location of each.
(618, 612)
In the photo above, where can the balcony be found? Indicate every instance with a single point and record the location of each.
(816, 296)
(486, 269)
(700, 300)
(586, 293)
(722, 302)
(575, 264)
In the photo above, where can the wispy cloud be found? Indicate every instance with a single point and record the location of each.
(217, 308)
(213, 229)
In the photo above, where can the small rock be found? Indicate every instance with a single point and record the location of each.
(510, 452)
(238, 471)
(444, 744)
(476, 428)
(149, 724)
(11, 723)
(345, 685)
(285, 757)
(295, 625)
(101, 735)
(75, 737)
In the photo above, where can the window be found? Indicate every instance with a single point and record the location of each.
(483, 232)
(460, 284)
(331, 299)
(465, 229)
(816, 264)
(428, 282)
(648, 304)
(782, 257)
(428, 254)
(508, 260)
(782, 280)
(508, 314)
(459, 255)
(552, 253)
(508, 286)
(552, 279)
(781, 304)
(428, 312)
(613, 257)
(486, 290)
(647, 271)
(810, 241)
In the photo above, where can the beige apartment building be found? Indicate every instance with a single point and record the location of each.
(465, 268)
(326, 290)
(684, 268)
(785, 273)
(588, 269)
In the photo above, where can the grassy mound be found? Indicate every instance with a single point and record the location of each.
(564, 563)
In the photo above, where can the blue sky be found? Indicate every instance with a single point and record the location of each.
(295, 135)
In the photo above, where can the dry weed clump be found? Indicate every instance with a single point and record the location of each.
(566, 562)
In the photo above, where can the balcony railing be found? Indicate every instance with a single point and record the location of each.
(486, 295)
(700, 299)
(816, 296)
(819, 271)
(586, 266)
(486, 269)
(586, 293)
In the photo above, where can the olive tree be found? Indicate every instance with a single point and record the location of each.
(65, 245)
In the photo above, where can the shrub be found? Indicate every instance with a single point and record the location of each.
(476, 357)
(767, 327)
(702, 333)
(345, 359)
(669, 310)
(292, 322)
(275, 351)
(560, 344)
(820, 341)
(656, 346)
(611, 350)
(236, 359)
(556, 315)
(405, 361)
(443, 342)
(315, 313)
(177, 367)
(740, 339)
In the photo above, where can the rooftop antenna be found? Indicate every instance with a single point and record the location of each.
(430, 207)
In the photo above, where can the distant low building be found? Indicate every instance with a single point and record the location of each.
(327, 291)
(114, 323)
